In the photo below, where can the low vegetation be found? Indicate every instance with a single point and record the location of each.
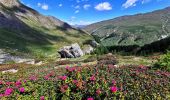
(102, 81)
(164, 62)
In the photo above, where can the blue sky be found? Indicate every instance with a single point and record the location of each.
(84, 12)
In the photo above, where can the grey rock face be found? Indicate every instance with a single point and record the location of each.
(94, 43)
(10, 3)
(13, 14)
(5, 57)
(72, 51)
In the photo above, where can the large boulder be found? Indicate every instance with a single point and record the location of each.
(73, 51)
(65, 52)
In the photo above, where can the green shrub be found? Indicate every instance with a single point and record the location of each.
(164, 62)
(101, 50)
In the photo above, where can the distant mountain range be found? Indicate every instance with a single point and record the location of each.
(26, 30)
(139, 29)
(79, 26)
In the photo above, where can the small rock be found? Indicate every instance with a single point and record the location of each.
(10, 71)
(23, 60)
(39, 63)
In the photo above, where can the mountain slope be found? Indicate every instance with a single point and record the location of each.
(139, 29)
(26, 30)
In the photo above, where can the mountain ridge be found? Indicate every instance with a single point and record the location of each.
(132, 29)
(119, 17)
(26, 30)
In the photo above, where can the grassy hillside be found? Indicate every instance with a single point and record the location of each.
(137, 29)
(33, 34)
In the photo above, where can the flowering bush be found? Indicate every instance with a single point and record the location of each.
(100, 82)
(164, 62)
(107, 59)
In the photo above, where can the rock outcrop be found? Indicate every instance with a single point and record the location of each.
(10, 3)
(88, 50)
(94, 44)
(72, 51)
(6, 57)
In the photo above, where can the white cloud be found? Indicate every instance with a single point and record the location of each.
(60, 5)
(145, 1)
(86, 6)
(39, 4)
(77, 11)
(103, 6)
(77, 7)
(129, 3)
(72, 19)
(77, 1)
(43, 6)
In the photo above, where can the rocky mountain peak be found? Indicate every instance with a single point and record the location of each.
(10, 3)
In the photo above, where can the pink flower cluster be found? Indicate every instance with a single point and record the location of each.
(92, 78)
(8, 91)
(63, 78)
(18, 83)
(33, 78)
(90, 98)
(70, 69)
(22, 89)
(113, 89)
(42, 98)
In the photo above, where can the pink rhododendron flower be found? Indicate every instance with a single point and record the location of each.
(42, 98)
(8, 91)
(63, 88)
(25, 81)
(142, 67)
(22, 89)
(113, 82)
(52, 73)
(9, 83)
(33, 78)
(67, 67)
(113, 89)
(18, 83)
(63, 77)
(70, 69)
(98, 91)
(46, 77)
(90, 98)
(92, 78)
(1, 95)
(75, 81)
(1, 82)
